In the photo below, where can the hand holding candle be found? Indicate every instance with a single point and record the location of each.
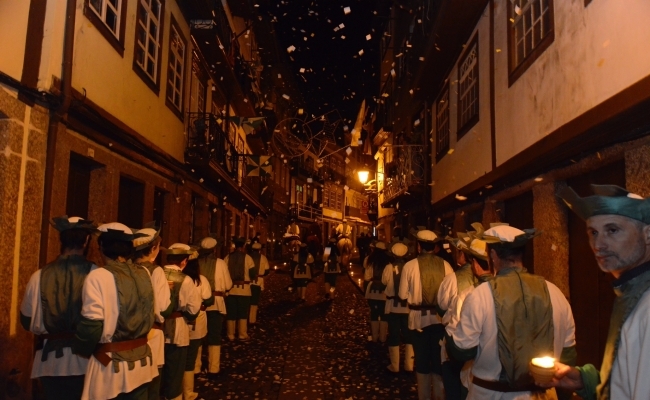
(542, 369)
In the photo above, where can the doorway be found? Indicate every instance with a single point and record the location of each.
(518, 212)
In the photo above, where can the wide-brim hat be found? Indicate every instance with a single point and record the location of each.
(607, 200)
(182, 249)
(477, 248)
(380, 245)
(427, 236)
(239, 241)
(462, 240)
(117, 231)
(508, 236)
(399, 249)
(143, 242)
(256, 246)
(207, 245)
(65, 223)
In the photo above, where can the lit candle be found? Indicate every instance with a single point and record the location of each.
(352, 273)
(544, 362)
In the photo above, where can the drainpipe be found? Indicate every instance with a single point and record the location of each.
(56, 116)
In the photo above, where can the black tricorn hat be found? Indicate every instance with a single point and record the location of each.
(64, 223)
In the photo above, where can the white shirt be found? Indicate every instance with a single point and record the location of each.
(344, 229)
(68, 365)
(631, 368)
(293, 230)
(100, 304)
(189, 301)
(410, 288)
(264, 266)
(447, 295)
(162, 300)
(222, 283)
(242, 290)
(200, 328)
(450, 320)
(478, 327)
(367, 270)
(387, 279)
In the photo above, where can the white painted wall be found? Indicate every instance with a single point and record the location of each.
(108, 79)
(472, 153)
(13, 31)
(598, 51)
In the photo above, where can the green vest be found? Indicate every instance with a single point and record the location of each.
(524, 315)
(399, 263)
(432, 272)
(136, 311)
(207, 267)
(628, 295)
(464, 278)
(176, 276)
(236, 266)
(61, 285)
(149, 266)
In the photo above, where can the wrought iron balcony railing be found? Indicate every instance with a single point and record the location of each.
(306, 212)
(408, 171)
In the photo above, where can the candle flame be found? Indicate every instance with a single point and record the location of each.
(544, 362)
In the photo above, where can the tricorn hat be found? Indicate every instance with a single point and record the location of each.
(118, 231)
(507, 236)
(182, 249)
(64, 223)
(399, 249)
(607, 200)
(151, 233)
(380, 245)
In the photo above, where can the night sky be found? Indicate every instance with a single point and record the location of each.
(340, 60)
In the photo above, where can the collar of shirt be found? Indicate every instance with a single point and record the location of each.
(631, 274)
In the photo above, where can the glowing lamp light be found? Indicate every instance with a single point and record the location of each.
(363, 176)
(544, 362)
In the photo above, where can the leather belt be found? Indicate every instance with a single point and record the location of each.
(102, 350)
(421, 307)
(218, 294)
(203, 308)
(504, 387)
(241, 283)
(157, 325)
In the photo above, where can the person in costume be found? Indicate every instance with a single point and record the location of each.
(117, 314)
(331, 269)
(198, 327)
(293, 229)
(186, 300)
(51, 309)
(367, 267)
(451, 286)
(618, 227)
(377, 261)
(419, 285)
(242, 271)
(302, 266)
(292, 238)
(257, 286)
(509, 320)
(217, 274)
(147, 248)
(470, 253)
(397, 311)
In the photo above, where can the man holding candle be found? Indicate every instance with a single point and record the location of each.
(509, 320)
(618, 227)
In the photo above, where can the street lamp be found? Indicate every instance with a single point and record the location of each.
(363, 176)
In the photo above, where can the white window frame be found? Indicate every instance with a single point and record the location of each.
(536, 29)
(443, 121)
(149, 39)
(106, 4)
(468, 76)
(176, 57)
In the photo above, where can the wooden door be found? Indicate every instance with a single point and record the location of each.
(591, 291)
(518, 212)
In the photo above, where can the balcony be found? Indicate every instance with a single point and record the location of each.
(405, 175)
(306, 213)
(210, 151)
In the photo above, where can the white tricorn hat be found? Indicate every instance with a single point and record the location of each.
(182, 249)
(144, 241)
(426, 235)
(380, 245)
(256, 246)
(117, 231)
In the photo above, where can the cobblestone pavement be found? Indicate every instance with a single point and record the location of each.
(313, 350)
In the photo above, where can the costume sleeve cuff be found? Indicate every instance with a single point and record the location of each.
(458, 353)
(88, 334)
(209, 301)
(170, 309)
(590, 380)
(569, 356)
(25, 321)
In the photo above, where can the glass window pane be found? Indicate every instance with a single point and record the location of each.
(150, 66)
(153, 30)
(111, 20)
(141, 35)
(97, 5)
(139, 56)
(152, 48)
(115, 3)
(155, 8)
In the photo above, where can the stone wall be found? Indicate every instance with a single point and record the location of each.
(23, 138)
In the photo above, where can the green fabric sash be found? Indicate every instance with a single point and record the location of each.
(136, 317)
(236, 264)
(398, 266)
(207, 267)
(464, 278)
(524, 320)
(628, 295)
(432, 272)
(61, 286)
(176, 276)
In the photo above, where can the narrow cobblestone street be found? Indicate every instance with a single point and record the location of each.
(312, 350)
